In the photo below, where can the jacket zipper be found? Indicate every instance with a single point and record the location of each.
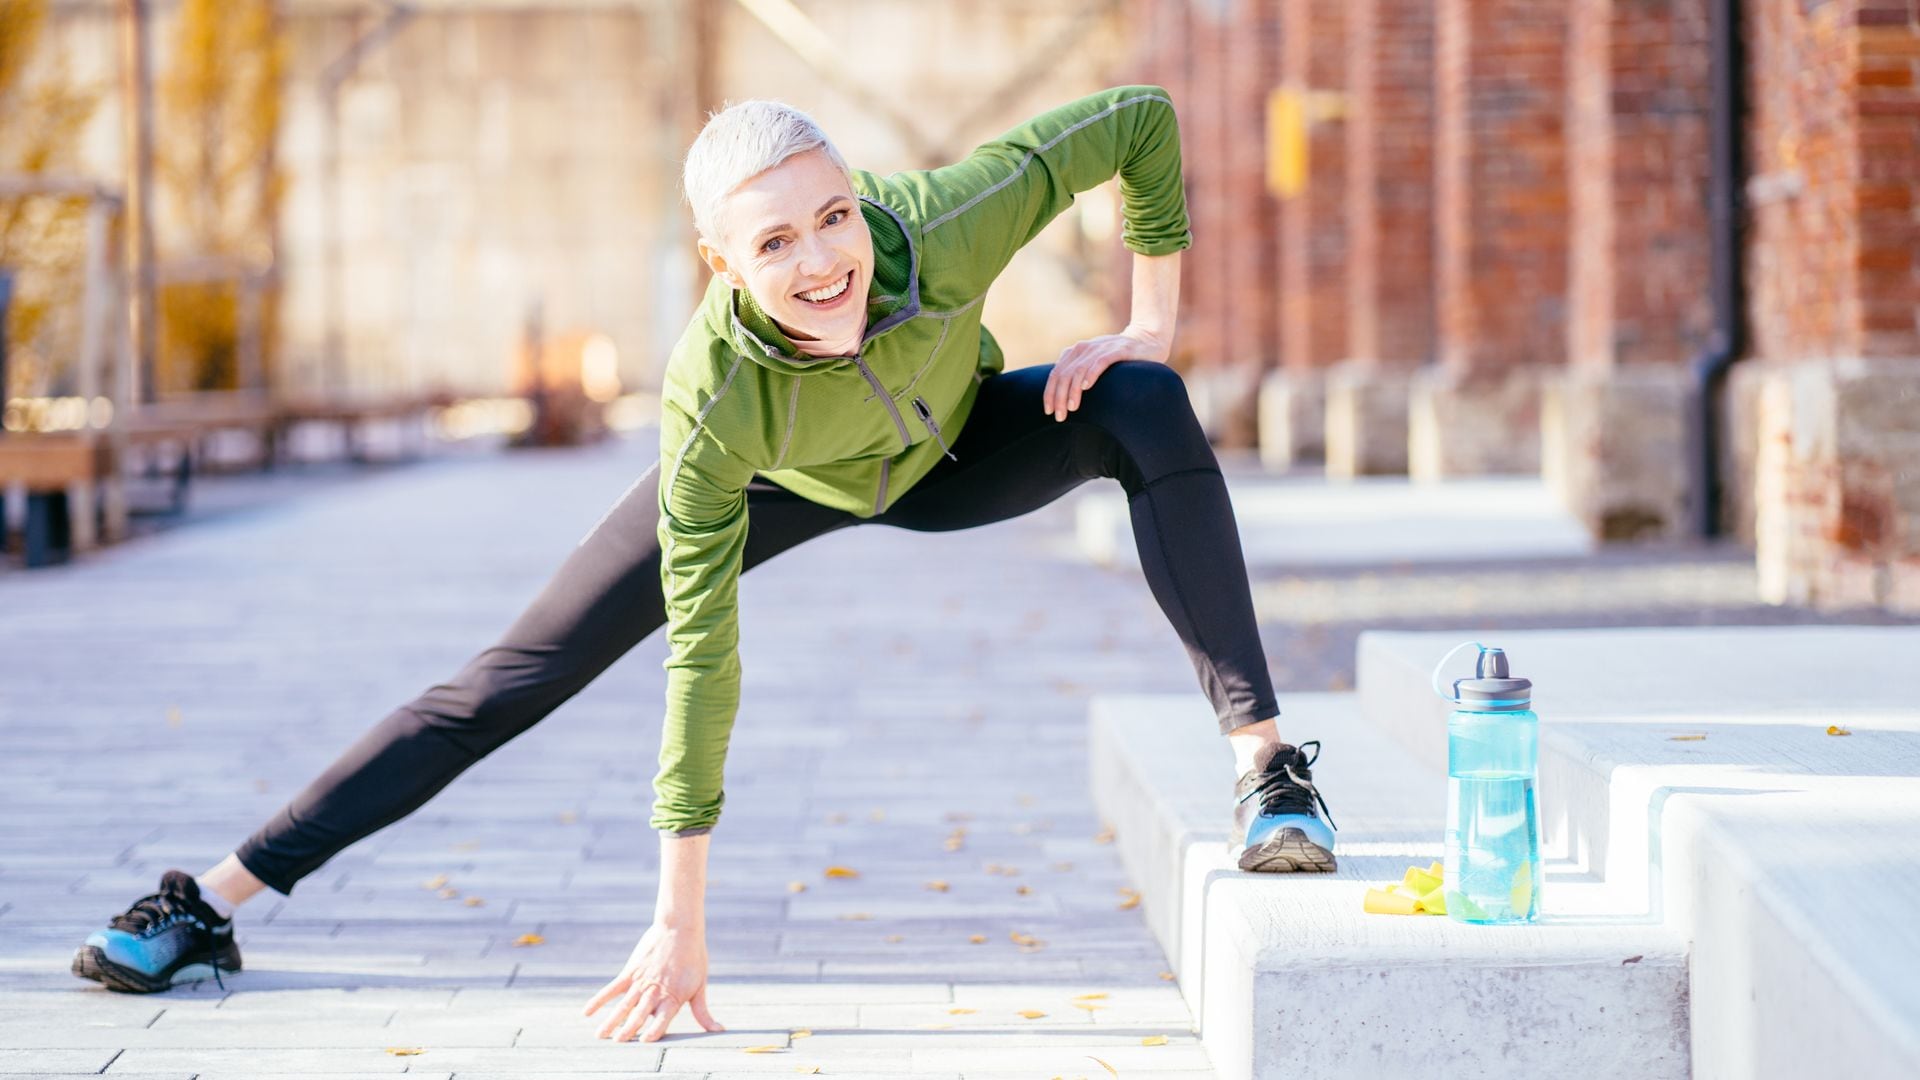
(926, 417)
(880, 392)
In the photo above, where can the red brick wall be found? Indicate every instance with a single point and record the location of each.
(1501, 187)
(1253, 68)
(1889, 182)
(1803, 237)
(1313, 260)
(1390, 181)
(1205, 269)
(1639, 104)
(1834, 137)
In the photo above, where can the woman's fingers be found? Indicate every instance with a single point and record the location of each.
(700, 1013)
(618, 1014)
(649, 1001)
(607, 993)
(669, 1008)
(1049, 396)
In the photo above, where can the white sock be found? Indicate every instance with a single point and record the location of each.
(221, 905)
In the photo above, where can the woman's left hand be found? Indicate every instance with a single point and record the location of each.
(1083, 361)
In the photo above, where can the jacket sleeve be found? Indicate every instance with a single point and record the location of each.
(702, 532)
(983, 209)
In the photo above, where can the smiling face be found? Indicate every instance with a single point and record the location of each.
(794, 238)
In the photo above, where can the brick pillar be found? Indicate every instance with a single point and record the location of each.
(1500, 199)
(1616, 425)
(1253, 68)
(1834, 138)
(1313, 250)
(1389, 234)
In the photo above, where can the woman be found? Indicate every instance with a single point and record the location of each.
(836, 373)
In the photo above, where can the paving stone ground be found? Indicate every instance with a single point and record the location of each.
(159, 699)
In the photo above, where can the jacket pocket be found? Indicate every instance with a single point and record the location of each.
(933, 426)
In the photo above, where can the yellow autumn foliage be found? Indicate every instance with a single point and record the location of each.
(42, 239)
(217, 186)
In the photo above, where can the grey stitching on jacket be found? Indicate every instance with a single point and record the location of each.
(1035, 152)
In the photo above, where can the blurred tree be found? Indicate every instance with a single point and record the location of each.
(42, 239)
(219, 181)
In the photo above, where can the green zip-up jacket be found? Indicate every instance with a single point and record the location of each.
(857, 432)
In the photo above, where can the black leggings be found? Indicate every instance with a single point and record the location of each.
(1134, 424)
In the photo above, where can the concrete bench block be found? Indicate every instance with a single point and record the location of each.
(1289, 975)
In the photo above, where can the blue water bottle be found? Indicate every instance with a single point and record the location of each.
(1493, 813)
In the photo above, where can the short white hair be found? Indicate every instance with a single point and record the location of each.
(740, 142)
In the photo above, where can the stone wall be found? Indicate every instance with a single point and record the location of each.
(1500, 201)
(1389, 213)
(1617, 440)
(1836, 302)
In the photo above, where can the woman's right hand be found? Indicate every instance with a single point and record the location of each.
(667, 969)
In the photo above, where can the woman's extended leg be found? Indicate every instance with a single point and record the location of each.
(1135, 425)
(604, 600)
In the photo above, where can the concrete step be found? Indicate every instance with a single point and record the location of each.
(1306, 521)
(1290, 977)
(1787, 855)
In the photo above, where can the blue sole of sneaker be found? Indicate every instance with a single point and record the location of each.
(89, 962)
(1288, 853)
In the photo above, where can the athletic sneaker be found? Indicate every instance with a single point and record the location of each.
(170, 937)
(1274, 816)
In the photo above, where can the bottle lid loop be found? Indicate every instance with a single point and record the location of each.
(1437, 668)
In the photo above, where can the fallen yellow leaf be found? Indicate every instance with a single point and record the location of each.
(1110, 1069)
(841, 872)
(434, 882)
(1685, 738)
(1104, 836)
(1019, 938)
(961, 1011)
(406, 1051)
(529, 939)
(810, 1071)
(449, 894)
(799, 1033)
(894, 937)
(1836, 729)
(977, 939)
(764, 1050)
(796, 886)
(1032, 1014)
(1154, 1040)
(474, 901)
(1101, 996)
(937, 885)
(1022, 890)
(1129, 899)
(1166, 976)
(856, 916)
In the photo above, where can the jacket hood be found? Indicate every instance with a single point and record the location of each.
(893, 297)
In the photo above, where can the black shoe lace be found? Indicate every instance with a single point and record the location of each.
(1285, 791)
(151, 911)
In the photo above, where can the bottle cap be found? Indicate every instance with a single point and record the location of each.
(1492, 688)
